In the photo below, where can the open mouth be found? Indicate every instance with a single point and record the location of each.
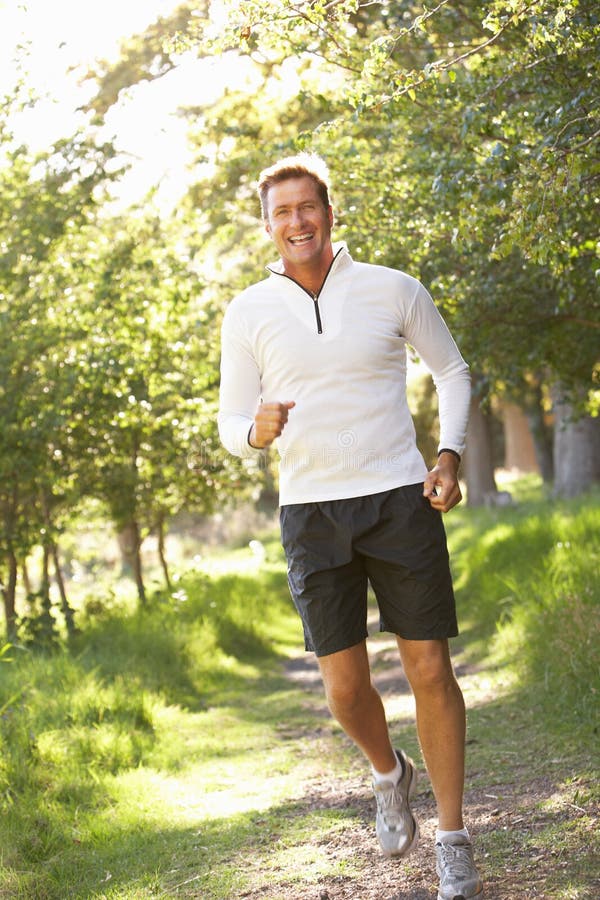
(298, 239)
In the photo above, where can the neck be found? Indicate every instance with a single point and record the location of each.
(310, 277)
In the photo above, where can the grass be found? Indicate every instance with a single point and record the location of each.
(528, 594)
(121, 755)
(116, 748)
(528, 597)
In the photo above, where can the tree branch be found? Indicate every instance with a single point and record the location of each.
(568, 151)
(443, 65)
(319, 27)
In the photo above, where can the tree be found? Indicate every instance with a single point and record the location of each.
(486, 119)
(144, 397)
(469, 136)
(42, 197)
(463, 147)
(109, 369)
(479, 456)
(576, 441)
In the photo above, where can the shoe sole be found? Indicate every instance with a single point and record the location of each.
(415, 838)
(462, 896)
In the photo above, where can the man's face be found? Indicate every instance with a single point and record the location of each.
(299, 224)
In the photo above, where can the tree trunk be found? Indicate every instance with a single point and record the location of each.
(26, 578)
(519, 449)
(478, 459)
(47, 629)
(9, 591)
(66, 609)
(268, 499)
(576, 443)
(45, 579)
(542, 435)
(130, 543)
(161, 552)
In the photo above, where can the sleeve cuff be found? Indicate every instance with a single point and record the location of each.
(449, 450)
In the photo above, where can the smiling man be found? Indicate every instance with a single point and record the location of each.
(315, 357)
(299, 224)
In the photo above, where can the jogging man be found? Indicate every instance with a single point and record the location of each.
(315, 356)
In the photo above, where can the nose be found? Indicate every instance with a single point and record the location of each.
(296, 216)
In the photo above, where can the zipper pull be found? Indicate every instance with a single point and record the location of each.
(317, 314)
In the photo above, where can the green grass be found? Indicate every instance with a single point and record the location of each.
(121, 756)
(101, 741)
(529, 594)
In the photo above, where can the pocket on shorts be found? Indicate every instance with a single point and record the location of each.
(420, 533)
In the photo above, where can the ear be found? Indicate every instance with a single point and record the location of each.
(268, 228)
(330, 215)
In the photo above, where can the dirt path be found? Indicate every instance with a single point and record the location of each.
(515, 809)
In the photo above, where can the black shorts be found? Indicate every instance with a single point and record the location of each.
(395, 540)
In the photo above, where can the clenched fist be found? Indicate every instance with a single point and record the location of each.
(269, 422)
(441, 484)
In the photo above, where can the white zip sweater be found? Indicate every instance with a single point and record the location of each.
(351, 432)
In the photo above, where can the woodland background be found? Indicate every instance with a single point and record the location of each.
(462, 139)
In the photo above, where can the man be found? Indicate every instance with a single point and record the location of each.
(315, 356)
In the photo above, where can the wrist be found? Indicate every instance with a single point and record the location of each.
(451, 452)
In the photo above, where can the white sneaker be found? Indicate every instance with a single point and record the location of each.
(396, 827)
(459, 878)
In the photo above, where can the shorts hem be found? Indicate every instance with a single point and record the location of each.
(439, 634)
(326, 651)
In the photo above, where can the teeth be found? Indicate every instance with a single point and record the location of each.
(300, 238)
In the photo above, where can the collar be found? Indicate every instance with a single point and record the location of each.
(341, 256)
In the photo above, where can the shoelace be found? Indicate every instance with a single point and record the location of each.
(457, 860)
(387, 800)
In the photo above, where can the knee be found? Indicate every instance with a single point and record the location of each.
(430, 672)
(347, 696)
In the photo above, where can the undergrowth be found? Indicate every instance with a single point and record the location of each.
(529, 596)
(120, 752)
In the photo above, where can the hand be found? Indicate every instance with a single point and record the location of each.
(444, 477)
(269, 422)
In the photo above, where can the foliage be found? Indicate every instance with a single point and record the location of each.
(109, 364)
(143, 58)
(43, 199)
(487, 116)
(462, 141)
(531, 576)
(145, 363)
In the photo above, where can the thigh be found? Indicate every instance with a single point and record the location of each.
(406, 559)
(327, 580)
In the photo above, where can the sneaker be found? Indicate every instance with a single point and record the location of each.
(396, 827)
(459, 878)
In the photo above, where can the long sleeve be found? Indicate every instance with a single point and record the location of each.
(427, 332)
(239, 393)
(350, 432)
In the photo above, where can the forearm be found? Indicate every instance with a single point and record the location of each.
(239, 392)
(454, 396)
(429, 335)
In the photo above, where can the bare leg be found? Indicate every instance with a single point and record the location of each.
(440, 723)
(356, 705)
